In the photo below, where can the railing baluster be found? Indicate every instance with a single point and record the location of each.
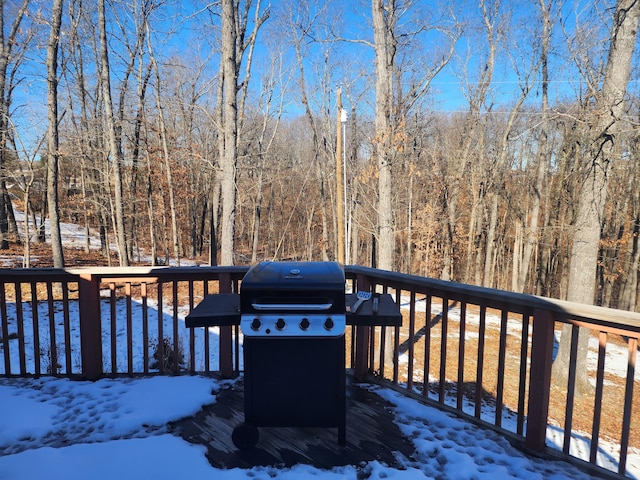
(371, 350)
(160, 348)
(502, 351)
(192, 339)
(5, 330)
(628, 404)
(176, 338)
(396, 342)
(597, 404)
(236, 332)
(571, 388)
(480, 362)
(145, 327)
(113, 327)
(67, 328)
(22, 351)
(207, 362)
(53, 348)
(36, 328)
(427, 344)
(226, 351)
(127, 293)
(522, 383)
(383, 351)
(411, 340)
(444, 333)
(461, 355)
(236, 342)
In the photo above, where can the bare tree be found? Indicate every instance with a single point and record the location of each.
(526, 68)
(301, 23)
(609, 111)
(53, 137)
(543, 156)
(234, 46)
(165, 146)
(29, 169)
(114, 150)
(7, 45)
(266, 134)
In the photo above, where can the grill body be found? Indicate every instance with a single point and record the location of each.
(293, 317)
(293, 321)
(295, 382)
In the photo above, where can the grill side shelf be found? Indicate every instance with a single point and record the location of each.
(223, 309)
(388, 312)
(215, 310)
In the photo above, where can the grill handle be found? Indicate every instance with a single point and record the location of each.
(269, 307)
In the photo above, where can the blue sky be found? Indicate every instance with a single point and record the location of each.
(183, 30)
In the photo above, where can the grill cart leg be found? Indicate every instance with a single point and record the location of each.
(245, 436)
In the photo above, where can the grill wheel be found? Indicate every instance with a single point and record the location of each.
(245, 436)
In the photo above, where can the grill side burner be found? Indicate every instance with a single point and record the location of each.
(293, 317)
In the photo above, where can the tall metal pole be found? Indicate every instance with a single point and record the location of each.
(343, 119)
(339, 182)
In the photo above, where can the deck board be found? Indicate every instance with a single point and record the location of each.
(370, 431)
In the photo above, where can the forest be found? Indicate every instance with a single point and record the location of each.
(460, 138)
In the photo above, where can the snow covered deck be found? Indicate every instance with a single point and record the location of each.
(128, 428)
(371, 435)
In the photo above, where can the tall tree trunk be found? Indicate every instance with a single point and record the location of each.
(228, 154)
(115, 153)
(53, 154)
(384, 18)
(609, 109)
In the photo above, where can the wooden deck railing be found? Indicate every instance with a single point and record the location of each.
(480, 353)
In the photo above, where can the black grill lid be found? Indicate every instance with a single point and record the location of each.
(293, 283)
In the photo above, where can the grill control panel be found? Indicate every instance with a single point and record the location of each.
(293, 325)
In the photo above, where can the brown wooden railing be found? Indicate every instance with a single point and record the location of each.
(483, 354)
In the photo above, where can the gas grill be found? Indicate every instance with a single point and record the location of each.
(293, 318)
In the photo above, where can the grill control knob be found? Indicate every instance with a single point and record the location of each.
(280, 324)
(304, 324)
(328, 324)
(255, 324)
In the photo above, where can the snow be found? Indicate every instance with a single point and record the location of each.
(117, 428)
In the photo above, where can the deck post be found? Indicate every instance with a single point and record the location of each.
(226, 334)
(540, 380)
(363, 333)
(90, 326)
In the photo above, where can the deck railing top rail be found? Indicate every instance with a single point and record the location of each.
(516, 302)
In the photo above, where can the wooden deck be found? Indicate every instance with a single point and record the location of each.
(371, 435)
